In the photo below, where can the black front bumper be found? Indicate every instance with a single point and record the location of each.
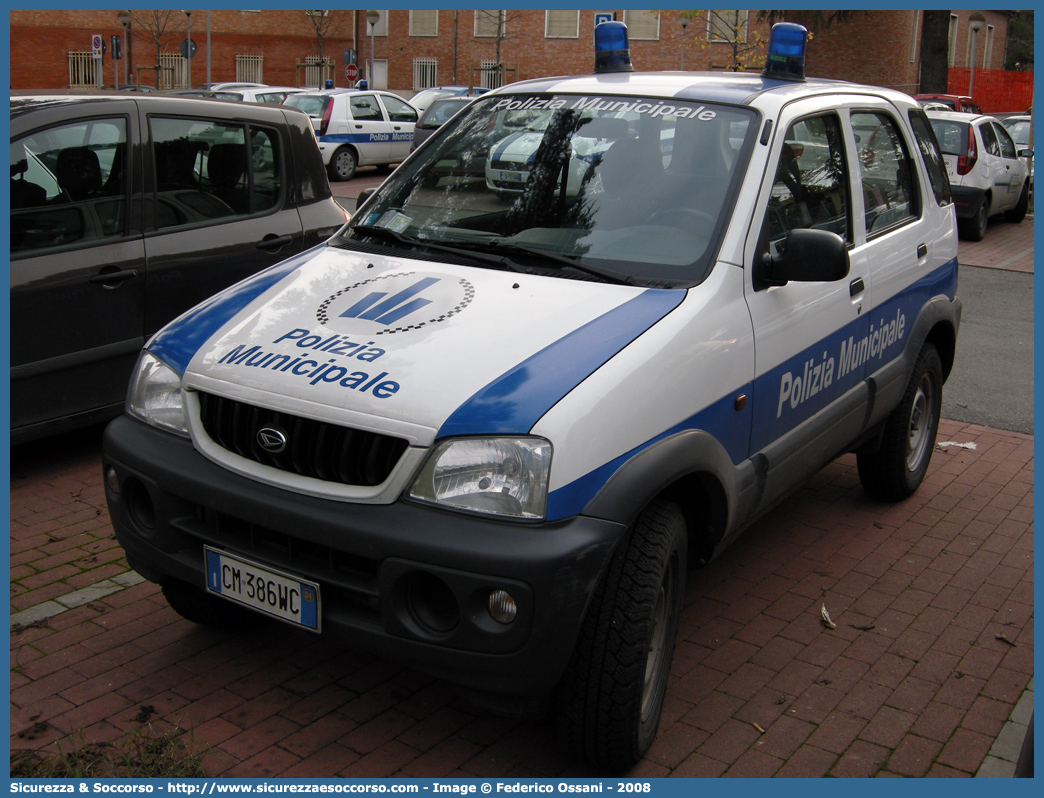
(407, 582)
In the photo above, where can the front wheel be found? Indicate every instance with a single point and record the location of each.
(343, 164)
(895, 469)
(608, 704)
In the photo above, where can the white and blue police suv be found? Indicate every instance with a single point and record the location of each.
(485, 433)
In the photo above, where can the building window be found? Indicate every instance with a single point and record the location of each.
(424, 23)
(425, 73)
(251, 69)
(489, 23)
(642, 25)
(562, 25)
(490, 75)
(951, 57)
(987, 50)
(727, 26)
(173, 71)
(381, 28)
(83, 70)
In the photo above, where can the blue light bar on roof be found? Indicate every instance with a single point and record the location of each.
(612, 53)
(786, 52)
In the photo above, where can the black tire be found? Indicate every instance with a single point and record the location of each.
(343, 164)
(198, 606)
(974, 229)
(1018, 213)
(895, 469)
(608, 704)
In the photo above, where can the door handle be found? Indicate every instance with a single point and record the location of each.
(112, 278)
(922, 250)
(856, 286)
(272, 242)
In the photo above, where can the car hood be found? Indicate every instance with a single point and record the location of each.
(386, 341)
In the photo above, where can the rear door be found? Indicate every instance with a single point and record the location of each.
(219, 207)
(1014, 169)
(370, 129)
(77, 261)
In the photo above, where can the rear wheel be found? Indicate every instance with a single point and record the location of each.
(1018, 213)
(974, 229)
(343, 164)
(895, 469)
(609, 703)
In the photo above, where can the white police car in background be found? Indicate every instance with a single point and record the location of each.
(486, 435)
(358, 128)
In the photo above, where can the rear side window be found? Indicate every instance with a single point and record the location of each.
(208, 171)
(989, 139)
(69, 184)
(885, 172)
(365, 108)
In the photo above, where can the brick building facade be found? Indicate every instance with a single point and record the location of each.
(413, 49)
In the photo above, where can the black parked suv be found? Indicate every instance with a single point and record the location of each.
(127, 211)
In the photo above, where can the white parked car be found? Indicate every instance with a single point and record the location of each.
(987, 175)
(1019, 128)
(358, 128)
(268, 95)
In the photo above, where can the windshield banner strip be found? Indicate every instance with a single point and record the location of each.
(516, 400)
(176, 343)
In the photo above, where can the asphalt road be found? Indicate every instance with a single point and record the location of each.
(992, 379)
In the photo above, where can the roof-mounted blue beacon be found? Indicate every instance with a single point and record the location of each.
(786, 52)
(612, 53)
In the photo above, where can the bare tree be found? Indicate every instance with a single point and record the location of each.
(505, 25)
(158, 28)
(731, 28)
(327, 24)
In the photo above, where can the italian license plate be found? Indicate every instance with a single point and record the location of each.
(271, 592)
(513, 177)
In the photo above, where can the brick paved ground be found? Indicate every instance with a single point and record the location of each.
(933, 601)
(1006, 246)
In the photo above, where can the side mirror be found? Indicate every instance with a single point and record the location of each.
(808, 256)
(1025, 153)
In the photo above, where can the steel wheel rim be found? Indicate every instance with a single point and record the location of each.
(921, 423)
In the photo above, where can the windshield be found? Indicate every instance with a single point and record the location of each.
(634, 186)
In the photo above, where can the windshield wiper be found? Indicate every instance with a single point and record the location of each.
(563, 260)
(478, 257)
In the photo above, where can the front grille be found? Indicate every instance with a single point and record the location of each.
(314, 449)
(512, 166)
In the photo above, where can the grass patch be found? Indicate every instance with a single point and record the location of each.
(142, 753)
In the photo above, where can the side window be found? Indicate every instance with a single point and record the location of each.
(399, 111)
(1007, 146)
(811, 183)
(205, 171)
(365, 108)
(886, 174)
(989, 139)
(69, 184)
(932, 157)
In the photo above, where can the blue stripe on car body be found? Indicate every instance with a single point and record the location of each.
(179, 341)
(516, 400)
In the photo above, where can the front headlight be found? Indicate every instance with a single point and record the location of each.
(497, 476)
(154, 395)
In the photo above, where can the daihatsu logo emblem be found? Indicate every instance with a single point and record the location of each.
(272, 439)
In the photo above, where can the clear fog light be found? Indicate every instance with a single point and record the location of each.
(502, 607)
(112, 480)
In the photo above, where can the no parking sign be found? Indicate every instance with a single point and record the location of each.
(96, 45)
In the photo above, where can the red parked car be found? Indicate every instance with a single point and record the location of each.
(955, 102)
